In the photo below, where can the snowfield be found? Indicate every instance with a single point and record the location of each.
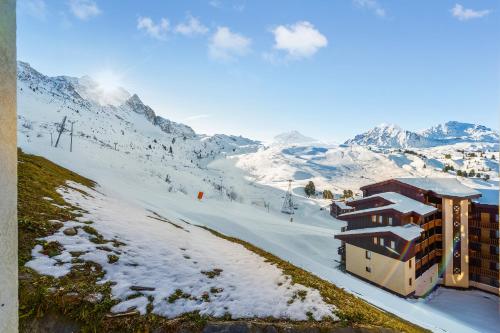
(243, 184)
(215, 276)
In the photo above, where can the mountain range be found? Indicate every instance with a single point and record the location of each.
(393, 136)
(85, 93)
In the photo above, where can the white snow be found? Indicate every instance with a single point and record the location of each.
(407, 232)
(441, 186)
(170, 255)
(400, 203)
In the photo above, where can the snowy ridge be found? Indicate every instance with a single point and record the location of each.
(389, 136)
(454, 131)
(393, 136)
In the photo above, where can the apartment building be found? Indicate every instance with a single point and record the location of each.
(409, 235)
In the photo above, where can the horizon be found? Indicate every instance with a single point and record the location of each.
(207, 65)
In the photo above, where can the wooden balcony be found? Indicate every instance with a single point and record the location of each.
(484, 240)
(484, 272)
(483, 255)
(418, 247)
(431, 224)
(439, 237)
(484, 225)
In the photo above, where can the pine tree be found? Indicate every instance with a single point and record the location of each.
(170, 150)
(310, 189)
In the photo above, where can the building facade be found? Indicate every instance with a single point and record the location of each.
(408, 235)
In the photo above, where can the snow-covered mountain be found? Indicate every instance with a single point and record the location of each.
(393, 136)
(292, 137)
(454, 131)
(78, 97)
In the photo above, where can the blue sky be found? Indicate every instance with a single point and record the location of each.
(330, 69)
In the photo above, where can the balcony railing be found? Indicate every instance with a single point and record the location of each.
(484, 240)
(484, 272)
(483, 255)
(484, 225)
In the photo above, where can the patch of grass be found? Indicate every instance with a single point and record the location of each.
(178, 294)
(39, 178)
(52, 249)
(112, 258)
(91, 231)
(215, 290)
(135, 295)
(351, 310)
(213, 273)
(205, 297)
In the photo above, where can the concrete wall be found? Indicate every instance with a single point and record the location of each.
(385, 271)
(8, 169)
(455, 280)
(425, 282)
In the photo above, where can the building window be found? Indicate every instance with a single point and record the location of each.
(375, 240)
(374, 218)
(496, 218)
(368, 269)
(390, 220)
(411, 219)
(368, 254)
(380, 219)
(409, 281)
(485, 217)
(409, 264)
(393, 244)
(381, 241)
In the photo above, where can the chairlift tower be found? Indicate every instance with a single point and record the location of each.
(287, 207)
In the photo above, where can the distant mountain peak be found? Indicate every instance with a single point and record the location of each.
(393, 136)
(293, 137)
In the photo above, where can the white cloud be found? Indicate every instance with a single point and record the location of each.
(215, 3)
(300, 40)
(464, 14)
(191, 27)
(35, 8)
(155, 30)
(225, 45)
(372, 5)
(84, 9)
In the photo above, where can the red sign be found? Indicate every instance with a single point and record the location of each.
(200, 195)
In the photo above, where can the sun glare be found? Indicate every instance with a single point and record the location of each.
(108, 81)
